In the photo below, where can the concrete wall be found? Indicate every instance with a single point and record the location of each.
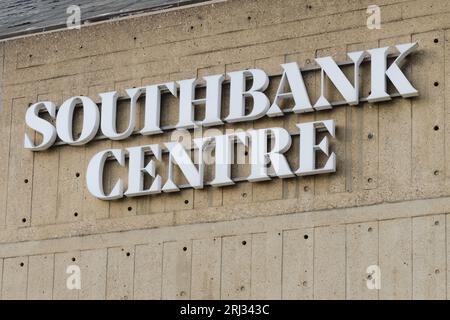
(310, 237)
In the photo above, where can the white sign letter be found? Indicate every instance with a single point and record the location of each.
(91, 120)
(224, 154)
(238, 94)
(308, 148)
(94, 175)
(212, 102)
(260, 157)
(109, 113)
(179, 155)
(153, 107)
(293, 76)
(394, 73)
(40, 125)
(136, 171)
(340, 81)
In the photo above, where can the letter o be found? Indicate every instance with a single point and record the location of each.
(64, 119)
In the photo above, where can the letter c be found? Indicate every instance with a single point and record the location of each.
(94, 176)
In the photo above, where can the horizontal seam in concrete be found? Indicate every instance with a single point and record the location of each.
(285, 221)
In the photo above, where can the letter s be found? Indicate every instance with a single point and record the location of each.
(40, 125)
